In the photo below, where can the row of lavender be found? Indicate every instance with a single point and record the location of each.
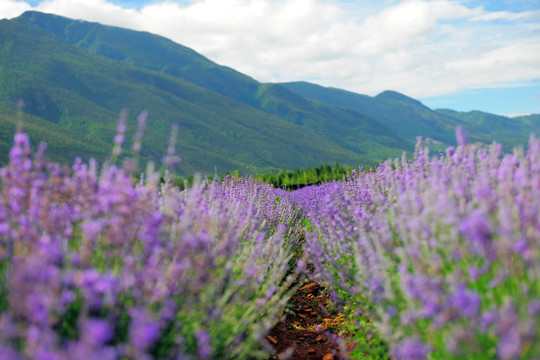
(97, 265)
(440, 253)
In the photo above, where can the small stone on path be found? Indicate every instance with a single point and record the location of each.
(310, 288)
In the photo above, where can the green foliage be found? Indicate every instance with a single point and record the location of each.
(295, 179)
(67, 326)
(3, 286)
(78, 75)
(367, 342)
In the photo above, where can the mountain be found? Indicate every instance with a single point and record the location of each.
(409, 117)
(65, 144)
(146, 50)
(75, 76)
(406, 116)
(511, 131)
(78, 75)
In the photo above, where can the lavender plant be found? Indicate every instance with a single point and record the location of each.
(440, 253)
(96, 265)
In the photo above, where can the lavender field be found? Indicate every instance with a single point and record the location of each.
(441, 253)
(431, 258)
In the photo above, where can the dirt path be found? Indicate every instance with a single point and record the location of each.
(304, 330)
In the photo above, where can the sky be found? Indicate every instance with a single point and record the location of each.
(459, 54)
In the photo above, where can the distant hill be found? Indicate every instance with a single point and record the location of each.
(409, 117)
(406, 116)
(75, 76)
(511, 131)
(79, 75)
(63, 144)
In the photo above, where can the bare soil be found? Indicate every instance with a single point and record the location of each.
(305, 332)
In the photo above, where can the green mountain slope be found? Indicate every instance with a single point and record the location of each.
(408, 117)
(145, 50)
(510, 131)
(532, 120)
(62, 145)
(350, 130)
(405, 116)
(82, 92)
(76, 76)
(355, 131)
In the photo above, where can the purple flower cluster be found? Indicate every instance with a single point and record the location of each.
(96, 265)
(441, 253)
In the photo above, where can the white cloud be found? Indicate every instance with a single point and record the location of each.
(420, 47)
(507, 15)
(93, 10)
(408, 22)
(10, 8)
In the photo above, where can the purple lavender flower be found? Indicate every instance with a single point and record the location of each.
(171, 160)
(509, 346)
(411, 349)
(8, 352)
(510, 342)
(143, 330)
(487, 319)
(141, 127)
(203, 344)
(119, 137)
(477, 229)
(534, 308)
(98, 332)
(466, 302)
(461, 137)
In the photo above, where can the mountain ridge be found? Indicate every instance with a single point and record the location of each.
(192, 93)
(77, 75)
(413, 117)
(269, 98)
